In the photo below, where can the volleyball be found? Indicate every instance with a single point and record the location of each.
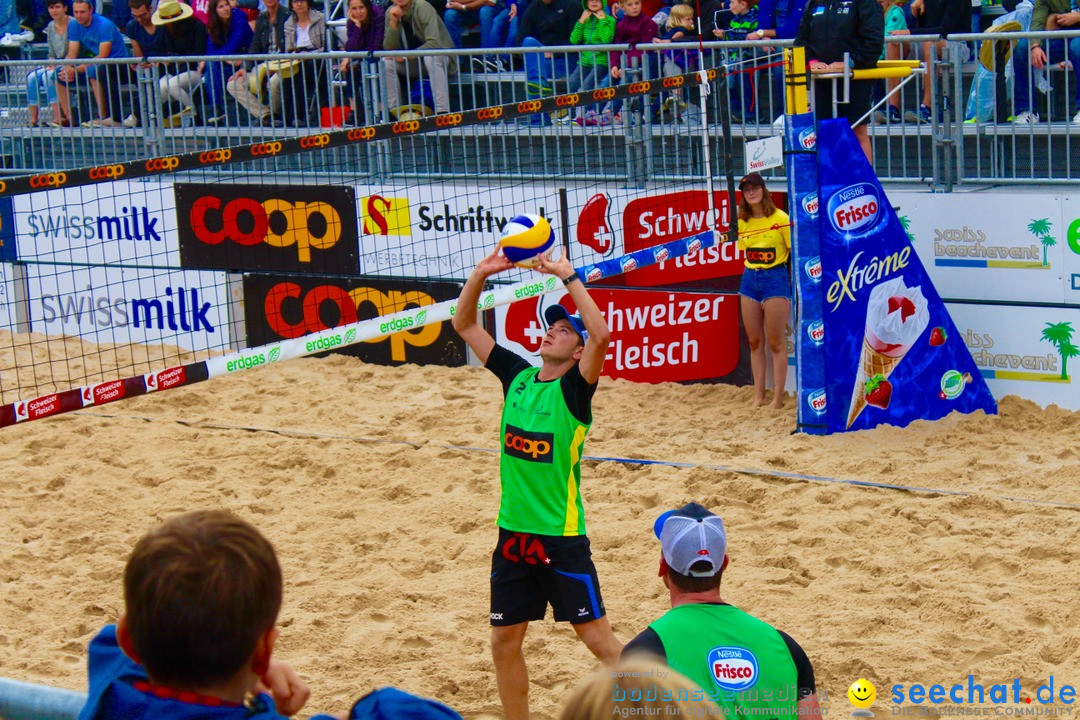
(525, 238)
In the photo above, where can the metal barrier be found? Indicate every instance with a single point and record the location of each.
(153, 110)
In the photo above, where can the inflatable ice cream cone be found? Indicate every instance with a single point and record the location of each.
(896, 316)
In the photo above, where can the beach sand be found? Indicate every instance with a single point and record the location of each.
(379, 488)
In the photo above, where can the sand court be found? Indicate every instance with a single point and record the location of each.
(379, 488)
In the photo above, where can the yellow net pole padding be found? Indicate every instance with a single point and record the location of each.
(796, 81)
(899, 63)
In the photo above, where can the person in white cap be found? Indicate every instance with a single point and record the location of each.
(745, 665)
(543, 555)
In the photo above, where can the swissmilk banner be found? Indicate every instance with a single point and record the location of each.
(892, 353)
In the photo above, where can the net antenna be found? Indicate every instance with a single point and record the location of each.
(725, 124)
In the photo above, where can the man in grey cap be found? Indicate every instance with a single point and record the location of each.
(543, 555)
(745, 665)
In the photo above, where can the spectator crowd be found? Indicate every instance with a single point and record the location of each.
(145, 39)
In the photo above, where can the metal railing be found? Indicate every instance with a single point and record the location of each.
(202, 104)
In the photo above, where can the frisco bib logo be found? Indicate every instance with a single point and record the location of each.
(810, 205)
(808, 138)
(816, 400)
(812, 267)
(816, 332)
(856, 207)
(733, 668)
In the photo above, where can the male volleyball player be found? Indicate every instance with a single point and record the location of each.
(543, 554)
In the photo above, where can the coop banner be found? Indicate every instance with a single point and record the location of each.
(655, 336)
(892, 352)
(280, 307)
(297, 228)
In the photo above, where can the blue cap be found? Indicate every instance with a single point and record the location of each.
(691, 535)
(557, 312)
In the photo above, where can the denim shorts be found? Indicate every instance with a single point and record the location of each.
(760, 285)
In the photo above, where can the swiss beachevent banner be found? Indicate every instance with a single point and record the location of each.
(892, 353)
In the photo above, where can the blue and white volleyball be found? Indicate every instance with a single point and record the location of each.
(525, 238)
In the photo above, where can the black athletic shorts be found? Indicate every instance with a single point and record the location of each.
(529, 571)
(859, 97)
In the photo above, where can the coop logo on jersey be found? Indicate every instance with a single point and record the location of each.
(525, 445)
(810, 204)
(812, 268)
(385, 216)
(733, 668)
(856, 207)
(808, 138)
(816, 400)
(816, 332)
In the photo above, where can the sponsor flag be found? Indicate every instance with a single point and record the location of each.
(892, 353)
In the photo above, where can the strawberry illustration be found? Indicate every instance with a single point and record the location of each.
(938, 336)
(903, 304)
(878, 391)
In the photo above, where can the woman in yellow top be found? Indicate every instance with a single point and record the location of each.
(766, 284)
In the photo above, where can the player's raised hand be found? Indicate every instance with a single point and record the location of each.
(560, 268)
(496, 262)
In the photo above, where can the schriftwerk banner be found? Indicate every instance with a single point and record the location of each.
(892, 353)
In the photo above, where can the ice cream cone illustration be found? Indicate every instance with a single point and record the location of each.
(896, 316)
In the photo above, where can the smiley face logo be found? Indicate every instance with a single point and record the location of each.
(862, 694)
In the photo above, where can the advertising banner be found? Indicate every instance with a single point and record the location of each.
(993, 246)
(118, 306)
(7, 231)
(892, 353)
(439, 231)
(1070, 251)
(281, 307)
(124, 222)
(607, 223)
(288, 228)
(655, 336)
(1033, 352)
(801, 143)
(7, 298)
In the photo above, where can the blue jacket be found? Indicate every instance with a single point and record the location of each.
(113, 696)
(238, 39)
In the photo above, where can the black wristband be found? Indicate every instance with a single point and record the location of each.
(572, 277)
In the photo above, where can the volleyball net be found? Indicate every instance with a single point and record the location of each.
(134, 277)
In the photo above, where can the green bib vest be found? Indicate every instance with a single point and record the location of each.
(540, 460)
(742, 663)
